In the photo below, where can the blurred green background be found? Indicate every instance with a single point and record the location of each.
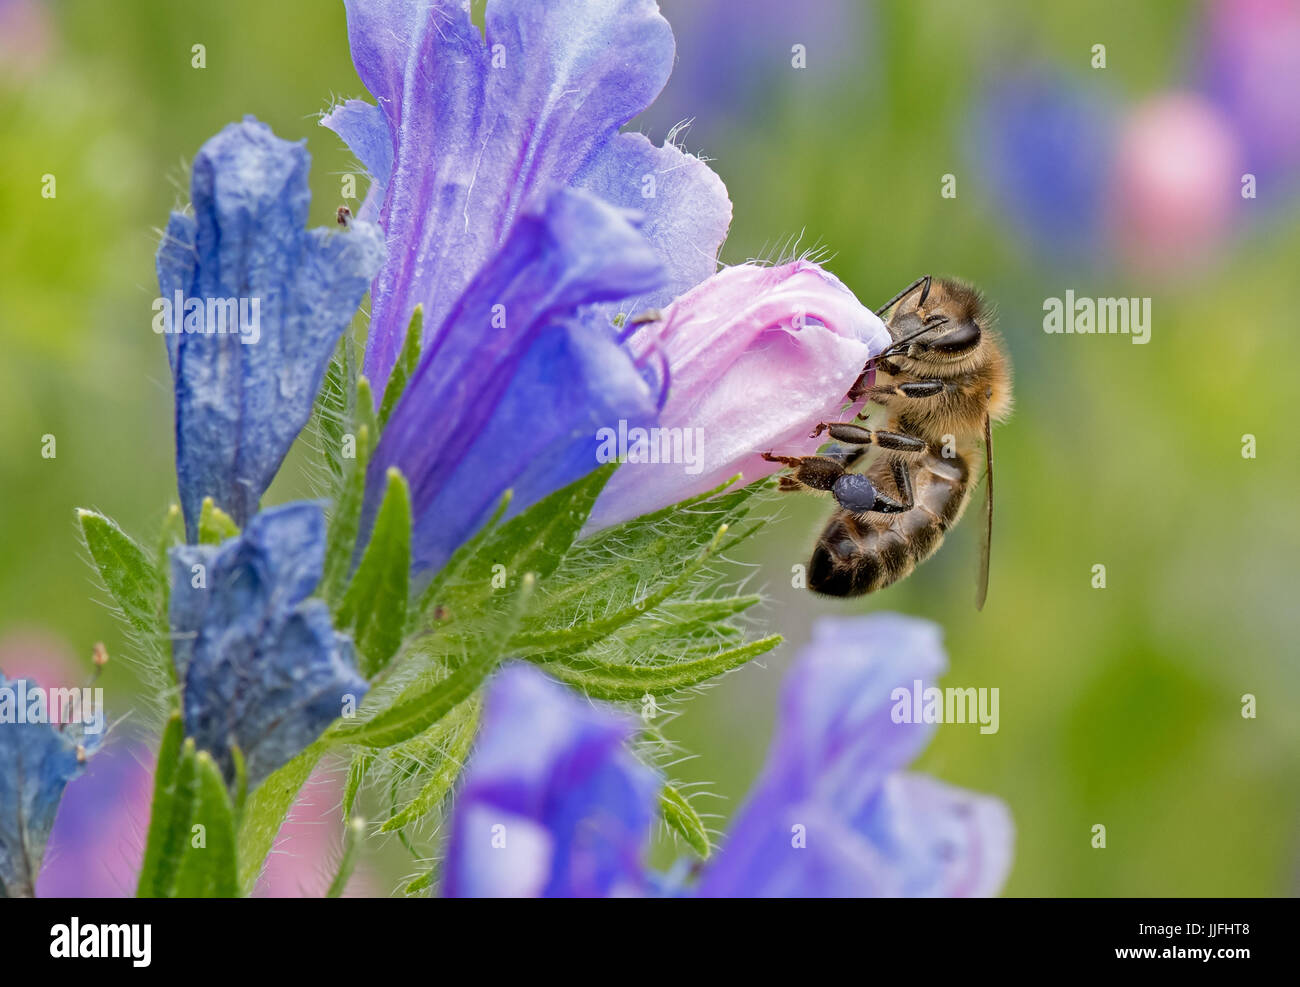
(1119, 706)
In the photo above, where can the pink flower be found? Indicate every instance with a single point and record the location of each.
(308, 846)
(1177, 183)
(755, 357)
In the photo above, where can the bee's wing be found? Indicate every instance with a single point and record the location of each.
(986, 536)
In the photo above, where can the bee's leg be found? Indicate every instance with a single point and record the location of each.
(903, 481)
(809, 472)
(922, 387)
(860, 435)
(862, 385)
(855, 492)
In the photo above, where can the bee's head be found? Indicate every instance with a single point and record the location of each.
(940, 320)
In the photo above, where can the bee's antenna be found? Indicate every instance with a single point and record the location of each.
(905, 292)
(934, 322)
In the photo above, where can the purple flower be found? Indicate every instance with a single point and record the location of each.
(736, 61)
(1250, 68)
(757, 356)
(259, 664)
(98, 839)
(37, 760)
(553, 805)
(252, 305)
(474, 140)
(474, 131)
(832, 813)
(1045, 147)
(518, 408)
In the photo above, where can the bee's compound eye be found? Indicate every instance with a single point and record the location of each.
(854, 492)
(965, 337)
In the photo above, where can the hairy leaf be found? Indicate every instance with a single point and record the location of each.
(374, 606)
(631, 682)
(681, 816)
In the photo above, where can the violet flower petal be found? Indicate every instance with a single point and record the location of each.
(756, 357)
(259, 664)
(485, 128)
(831, 814)
(243, 397)
(37, 760)
(553, 803)
(579, 251)
(684, 207)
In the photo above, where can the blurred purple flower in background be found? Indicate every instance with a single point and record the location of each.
(1044, 145)
(757, 356)
(1249, 67)
(95, 845)
(552, 804)
(1159, 187)
(731, 67)
(246, 376)
(98, 839)
(37, 760)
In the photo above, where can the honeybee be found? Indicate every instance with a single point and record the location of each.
(935, 392)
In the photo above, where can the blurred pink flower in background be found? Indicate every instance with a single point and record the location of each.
(26, 37)
(97, 843)
(1250, 69)
(43, 657)
(98, 837)
(1177, 183)
(308, 847)
(756, 356)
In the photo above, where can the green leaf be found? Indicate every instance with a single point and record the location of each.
(534, 541)
(681, 816)
(241, 779)
(375, 603)
(453, 741)
(631, 682)
(265, 812)
(345, 520)
(334, 405)
(215, 525)
(421, 883)
(209, 870)
(427, 606)
(126, 570)
(364, 410)
(168, 817)
(171, 534)
(623, 566)
(567, 637)
(407, 360)
(352, 836)
(357, 771)
(420, 709)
